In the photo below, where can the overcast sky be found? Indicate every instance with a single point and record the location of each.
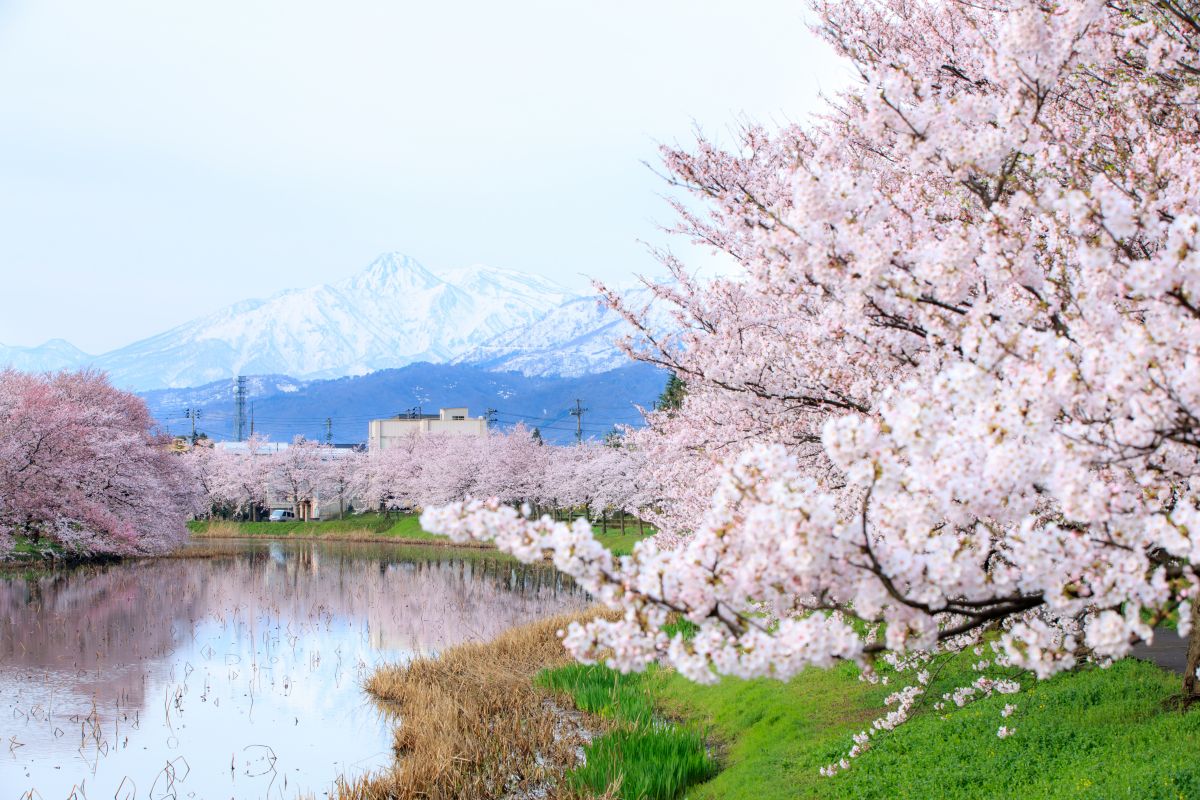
(159, 160)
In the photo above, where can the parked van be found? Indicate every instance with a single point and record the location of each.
(281, 515)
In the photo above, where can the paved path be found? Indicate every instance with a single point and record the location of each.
(1169, 651)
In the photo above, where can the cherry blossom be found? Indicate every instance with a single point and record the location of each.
(82, 467)
(953, 391)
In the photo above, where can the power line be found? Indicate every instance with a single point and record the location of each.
(577, 413)
(193, 414)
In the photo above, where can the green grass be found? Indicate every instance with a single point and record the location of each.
(621, 544)
(371, 527)
(1093, 733)
(25, 548)
(409, 527)
(650, 758)
(645, 763)
(1089, 734)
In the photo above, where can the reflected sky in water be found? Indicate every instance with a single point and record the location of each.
(233, 676)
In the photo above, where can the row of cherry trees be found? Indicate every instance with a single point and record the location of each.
(514, 467)
(82, 469)
(954, 391)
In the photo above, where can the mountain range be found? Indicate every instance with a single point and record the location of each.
(282, 407)
(397, 336)
(393, 313)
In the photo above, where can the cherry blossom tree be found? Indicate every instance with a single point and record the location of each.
(82, 467)
(342, 479)
(208, 471)
(388, 477)
(247, 477)
(297, 474)
(616, 471)
(514, 467)
(955, 390)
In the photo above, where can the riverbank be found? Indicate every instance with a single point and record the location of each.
(403, 528)
(768, 739)
(471, 722)
(357, 528)
(37, 556)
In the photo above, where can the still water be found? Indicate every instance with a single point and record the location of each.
(237, 674)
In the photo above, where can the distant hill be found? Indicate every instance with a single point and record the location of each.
(52, 356)
(284, 407)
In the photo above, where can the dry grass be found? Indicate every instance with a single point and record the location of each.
(472, 724)
(219, 529)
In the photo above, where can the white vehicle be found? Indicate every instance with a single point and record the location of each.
(281, 515)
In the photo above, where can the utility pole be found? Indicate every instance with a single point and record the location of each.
(577, 413)
(239, 398)
(252, 420)
(329, 430)
(193, 414)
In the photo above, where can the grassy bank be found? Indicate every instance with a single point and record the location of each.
(1072, 732)
(358, 528)
(36, 556)
(479, 723)
(364, 528)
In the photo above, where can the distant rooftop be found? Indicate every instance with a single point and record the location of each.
(455, 412)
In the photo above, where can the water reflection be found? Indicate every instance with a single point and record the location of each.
(232, 676)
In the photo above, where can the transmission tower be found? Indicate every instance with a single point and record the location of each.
(239, 399)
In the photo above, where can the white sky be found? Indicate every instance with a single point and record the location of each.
(160, 158)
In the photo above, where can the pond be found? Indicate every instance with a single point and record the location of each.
(235, 672)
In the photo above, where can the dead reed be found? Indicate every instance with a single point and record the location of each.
(219, 529)
(473, 725)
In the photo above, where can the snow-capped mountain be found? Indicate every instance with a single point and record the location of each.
(578, 337)
(54, 355)
(395, 312)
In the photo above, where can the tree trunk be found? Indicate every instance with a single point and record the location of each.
(1191, 691)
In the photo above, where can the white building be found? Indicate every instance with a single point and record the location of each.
(385, 433)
